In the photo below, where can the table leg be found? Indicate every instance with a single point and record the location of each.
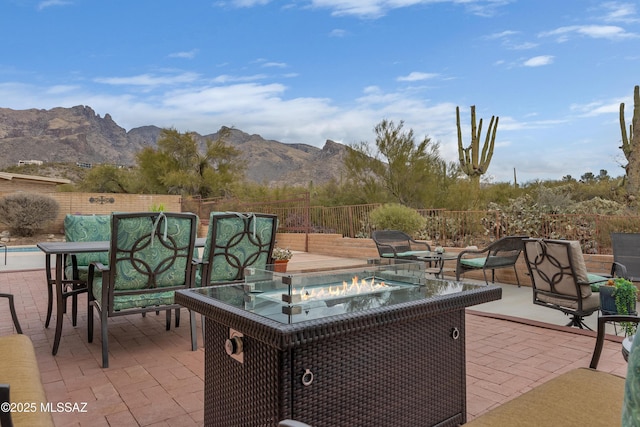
(59, 304)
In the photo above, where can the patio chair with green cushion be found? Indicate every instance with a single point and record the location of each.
(560, 280)
(397, 244)
(80, 228)
(503, 253)
(150, 257)
(234, 242)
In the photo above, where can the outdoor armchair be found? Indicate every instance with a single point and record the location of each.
(560, 280)
(79, 228)
(397, 244)
(150, 257)
(502, 253)
(236, 241)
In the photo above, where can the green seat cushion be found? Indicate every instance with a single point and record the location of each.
(473, 262)
(133, 301)
(405, 254)
(595, 281)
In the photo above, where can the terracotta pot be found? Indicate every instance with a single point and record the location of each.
(280, 265)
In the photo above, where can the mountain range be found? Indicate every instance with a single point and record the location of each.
(79, 135)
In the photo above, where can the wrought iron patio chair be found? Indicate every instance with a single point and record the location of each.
(626, 251)
(398, 244)
(150, 257)
(236, 241)
(560, 280)
(502, 253)
(79, 228)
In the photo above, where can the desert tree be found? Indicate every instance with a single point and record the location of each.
(400, 170)
(178, 166)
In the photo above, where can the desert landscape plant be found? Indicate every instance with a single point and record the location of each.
(393, 216)
(25, 213)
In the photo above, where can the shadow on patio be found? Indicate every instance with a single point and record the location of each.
(154, 378)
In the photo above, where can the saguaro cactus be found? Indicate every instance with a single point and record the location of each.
(631, 148)
(472, 162)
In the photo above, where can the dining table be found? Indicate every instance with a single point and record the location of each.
(57, 281)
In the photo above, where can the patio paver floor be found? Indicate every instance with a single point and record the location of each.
(155, 380)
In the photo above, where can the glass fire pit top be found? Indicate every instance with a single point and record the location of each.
(298, 296)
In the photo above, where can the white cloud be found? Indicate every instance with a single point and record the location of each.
(338, 33)
(501, 35)
(50, 3)
(416, 76)
(620, 12)
(224, 78)
(275, 64)
(187, 55)
(594, 31)
(538, 61)
(148, 80)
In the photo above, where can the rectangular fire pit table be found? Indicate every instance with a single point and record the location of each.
(306, 346)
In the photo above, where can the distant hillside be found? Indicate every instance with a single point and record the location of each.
(78, 134)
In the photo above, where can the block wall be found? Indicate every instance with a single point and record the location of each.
(106, 203)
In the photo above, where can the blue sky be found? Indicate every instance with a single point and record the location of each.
(305, 71)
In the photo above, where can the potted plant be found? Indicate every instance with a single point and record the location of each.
(619, 296)
(280, 258)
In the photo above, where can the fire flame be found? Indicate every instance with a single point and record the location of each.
(357, 287)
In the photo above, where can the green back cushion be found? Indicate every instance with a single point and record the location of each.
(87, 228)
(141, 261)
(241, 240)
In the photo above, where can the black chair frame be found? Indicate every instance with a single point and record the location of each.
(503, 253)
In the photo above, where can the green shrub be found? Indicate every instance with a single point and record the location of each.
(25, 214)
(397, 217)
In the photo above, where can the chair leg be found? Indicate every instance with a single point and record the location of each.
(105, 339)
(90, 321)
(177, 317)
(194, 333)
(578, 322)
(515, 270)
(74, 309)
(168, 319)
(12, 308)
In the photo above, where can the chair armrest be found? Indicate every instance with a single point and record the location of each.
(384, 245)
(619, 270)
(412, 241)
(464, 252)
(602, 320)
